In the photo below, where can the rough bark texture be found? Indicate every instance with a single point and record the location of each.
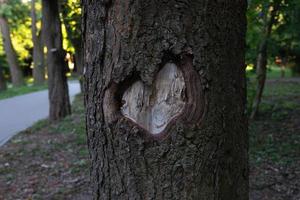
(2, 80)
(57, 66)
(203, 152)
(11, 56)
(38, 53)
(262, 59)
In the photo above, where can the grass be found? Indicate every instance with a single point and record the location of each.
(273, 136)
(72, 124)
(273, 72)
(15, 91)
(273, 140)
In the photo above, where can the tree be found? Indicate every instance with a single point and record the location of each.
(71, 13)
(11, 56)
(262, 57)
(57, 66)
(165, 99)
(2, 80)
(288, 36)
(38, 53)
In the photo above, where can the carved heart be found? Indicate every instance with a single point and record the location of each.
(154, 107)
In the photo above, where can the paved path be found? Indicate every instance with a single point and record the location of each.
(20, 112)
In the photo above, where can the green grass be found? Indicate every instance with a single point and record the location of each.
(72, 124)
(273, 136)
(15, 91)
(281, 90)
(271, 147)
(273, 72)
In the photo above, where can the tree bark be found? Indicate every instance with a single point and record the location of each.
(201, 150)
(79, 65)
(11, 56)
(262, 59)
(57, 66)
(2, 80)
(38, 53)
(282, 70)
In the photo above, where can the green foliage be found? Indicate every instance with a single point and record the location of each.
(71, 15)
(15, 11)
(18, 15)
(285, 37)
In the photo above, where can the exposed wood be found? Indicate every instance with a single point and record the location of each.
(38, 53)
(202, 152)
(11, 56)
(153, 107)
(57, 66)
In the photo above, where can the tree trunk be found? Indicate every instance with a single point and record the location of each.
(262, 59)
(282, 69)
(2, 80)
(38, 53)
(57, 66)
(11, 56)
(79, 65)
(165, 97)
(75, 38)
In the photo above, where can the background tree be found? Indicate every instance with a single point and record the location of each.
(71, 13)
(288, 37)
(269, 12)
(2, 80)
(38, 51)
(11, 56)
(57, 66)
(133, 48)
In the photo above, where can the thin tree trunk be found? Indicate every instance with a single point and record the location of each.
(262, 60)
(165, 99)
(76, 40)
(282, 69)
(11, 56)
(2, 80)
(57, 66)
(79, 65)
(38, 54)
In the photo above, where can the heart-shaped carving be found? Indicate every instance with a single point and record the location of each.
(154, 107)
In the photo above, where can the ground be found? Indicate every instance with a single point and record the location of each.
(47, 161)
(50, 161)
(275, 143)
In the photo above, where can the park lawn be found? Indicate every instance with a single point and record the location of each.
(273, 72)
(50, 161)
(29, 87)
(15, 91)
(274, 152)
